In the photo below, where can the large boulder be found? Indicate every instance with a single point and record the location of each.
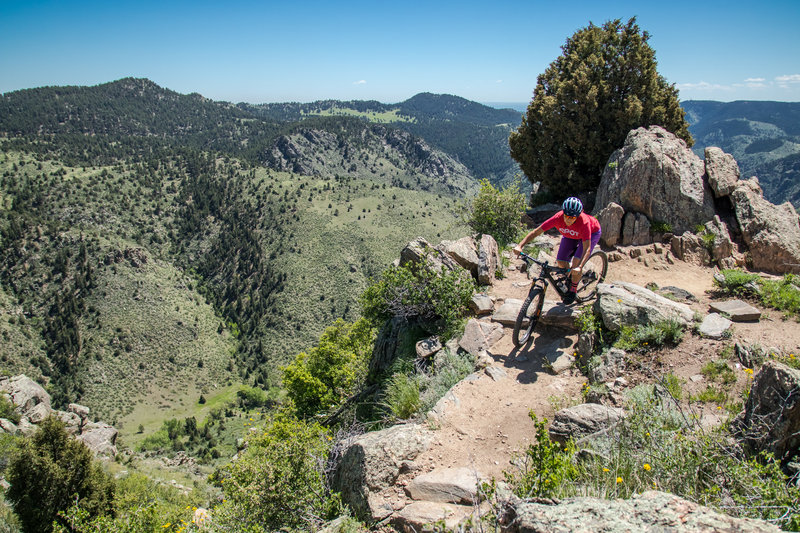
(650, 511)
(635, 229)
(583, 420)
(26, 394)
(722, 171)
(419, 249)
(770, 421)
(610, 218)
(771, 232)
(489, 260)
(100, 438)
(371, 464)
(465, 253)
(625, 304)
(657, 174)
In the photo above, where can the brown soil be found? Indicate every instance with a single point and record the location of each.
(488, 423)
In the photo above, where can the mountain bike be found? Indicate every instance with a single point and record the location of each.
(594, 272)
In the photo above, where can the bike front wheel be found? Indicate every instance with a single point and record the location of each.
(594, 272)
(528, 316)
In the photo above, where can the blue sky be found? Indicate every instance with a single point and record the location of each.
(279, 51)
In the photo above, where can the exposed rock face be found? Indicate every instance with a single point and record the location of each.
(489, 260)
(657, 175)
(771, 419)
(100, 438)
(32, 402)
(771, 232)
(419, 249)
(25, 394)
(722, 171)
(316, 152)
(465, 253)
(480, 335)
(449, 485)
(583, 420)
(610, 218)
(625, 304)
(372, 463)
(635, 229)
(649, 512)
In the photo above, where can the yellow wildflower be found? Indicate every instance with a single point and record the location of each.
(619, 480)
(167, 525)
(646, 466)
(606, 470)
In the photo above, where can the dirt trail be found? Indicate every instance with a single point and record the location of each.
(488, 420)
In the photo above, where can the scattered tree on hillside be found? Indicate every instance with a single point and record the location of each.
(603, 85)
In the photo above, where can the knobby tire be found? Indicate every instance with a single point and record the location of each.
(534, 302)
(596, 269)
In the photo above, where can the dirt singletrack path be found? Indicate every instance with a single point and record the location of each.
(485, 422)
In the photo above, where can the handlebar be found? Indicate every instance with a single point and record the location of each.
(544, 264)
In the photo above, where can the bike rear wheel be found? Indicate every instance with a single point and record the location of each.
(594, 272)
(528, 316)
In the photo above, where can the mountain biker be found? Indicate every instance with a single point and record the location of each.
(580, 233)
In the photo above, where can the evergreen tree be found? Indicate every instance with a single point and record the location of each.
(603, 85)
(51, 471)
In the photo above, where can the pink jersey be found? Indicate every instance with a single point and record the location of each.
(581, 229)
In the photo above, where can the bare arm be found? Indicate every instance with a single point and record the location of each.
(528, 238)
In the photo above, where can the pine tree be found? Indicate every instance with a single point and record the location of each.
(51, 471)
(603, 85)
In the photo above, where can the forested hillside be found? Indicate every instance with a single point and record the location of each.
(763, 137)
(157, 244)
(477, 135)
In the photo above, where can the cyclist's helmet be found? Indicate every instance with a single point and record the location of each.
(572, 207)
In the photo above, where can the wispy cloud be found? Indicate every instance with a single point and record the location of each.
(360, 82)
(499, 81)
(703, 86)
(788, 81)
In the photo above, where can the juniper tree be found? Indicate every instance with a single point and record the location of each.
(603, 85)
(52, 471)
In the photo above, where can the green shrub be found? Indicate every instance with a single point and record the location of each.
(7, 410)
(656, 447)
(733, 281)
(419, 291)
(49, 472)
(140, 505)
(333, 370)
(660, 227)
(546, 469)
(719, 371)
(277, 481)
(497, 212)
(649, 336)
(449, 367)
(401, 397)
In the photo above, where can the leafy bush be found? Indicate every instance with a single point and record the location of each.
(782, 294)
(497, 212)
(419, 291)
(141, 505)
(333, 370)
(7, 410)
(449, 367)
(401, 396)
(49, 472)
(655, 447)
(546, 469)
(277, 481)
(649, 336)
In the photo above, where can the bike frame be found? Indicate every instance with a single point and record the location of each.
(546, 274)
